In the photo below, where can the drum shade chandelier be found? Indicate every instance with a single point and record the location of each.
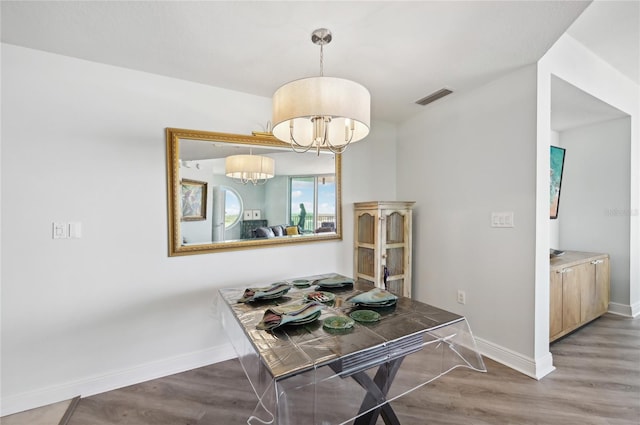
(243, 169)
(321, 112)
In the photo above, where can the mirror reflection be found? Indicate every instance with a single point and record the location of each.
(231, 191)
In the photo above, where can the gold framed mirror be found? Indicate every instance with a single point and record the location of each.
(216, 203)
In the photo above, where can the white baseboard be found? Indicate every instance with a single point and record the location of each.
(100, 383)
(535, 369)
(625, 309)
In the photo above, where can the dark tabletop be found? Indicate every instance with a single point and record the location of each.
(290, 349)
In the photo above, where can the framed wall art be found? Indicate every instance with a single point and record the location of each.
(557, 167)
(193, 200)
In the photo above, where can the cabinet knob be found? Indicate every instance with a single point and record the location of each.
(597, 262)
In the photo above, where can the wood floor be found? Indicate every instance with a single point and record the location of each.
(52, 414)
(597, 382)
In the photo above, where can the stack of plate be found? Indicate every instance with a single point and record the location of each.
(376, 298)
(295, 314)
(304, 321)
(301, 283)
(275, 290)
(334, 282)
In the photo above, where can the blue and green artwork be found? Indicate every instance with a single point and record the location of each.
(557, 165)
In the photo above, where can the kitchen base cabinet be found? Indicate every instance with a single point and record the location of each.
(578, 291)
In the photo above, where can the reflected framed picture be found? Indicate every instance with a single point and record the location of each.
(555, 177)
(193, 200)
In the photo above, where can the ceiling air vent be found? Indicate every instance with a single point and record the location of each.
(433, 97)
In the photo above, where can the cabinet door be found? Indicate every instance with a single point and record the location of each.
(366, 261)
(570, 298)
(555, 307)
(395, 257)
(366, 228)
(588, 293)
(601, 304)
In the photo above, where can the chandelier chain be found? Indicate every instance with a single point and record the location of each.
(322, 60)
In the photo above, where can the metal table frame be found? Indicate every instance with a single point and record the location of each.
(375, 402)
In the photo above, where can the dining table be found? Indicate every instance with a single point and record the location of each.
(312, 373)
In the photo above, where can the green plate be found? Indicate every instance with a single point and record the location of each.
(365, 316)
(301, 283)
(338, 322)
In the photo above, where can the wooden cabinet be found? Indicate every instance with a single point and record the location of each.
(596, 291)
(382, 244)
(555, 308)
(578, 292)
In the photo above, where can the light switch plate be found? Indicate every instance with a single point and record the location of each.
(60, 230)
(502, 219)
(75, 230)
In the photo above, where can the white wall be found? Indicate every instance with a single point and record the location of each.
(462, 158)
(276, 206)
(85, 142)
(595, 196)
(368, 174)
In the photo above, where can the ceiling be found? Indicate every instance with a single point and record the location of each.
(611, 29)
(400, 51)
(572, 107)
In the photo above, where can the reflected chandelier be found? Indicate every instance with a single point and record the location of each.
(243, 169)
(321, 112)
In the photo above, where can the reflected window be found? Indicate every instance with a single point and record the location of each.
(232, 207)
(313, 203)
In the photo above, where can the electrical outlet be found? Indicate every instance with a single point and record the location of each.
(462, 297)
